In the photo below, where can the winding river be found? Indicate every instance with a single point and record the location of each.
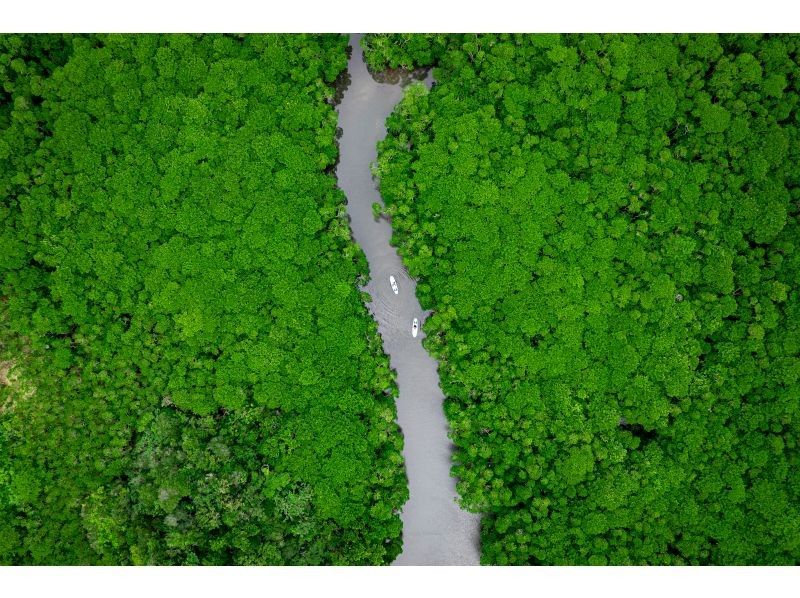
(435, 530)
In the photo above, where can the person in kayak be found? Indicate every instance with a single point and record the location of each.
(415, 328)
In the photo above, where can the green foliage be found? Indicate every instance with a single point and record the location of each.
(199, 381)
(390, 51)
(606, 227)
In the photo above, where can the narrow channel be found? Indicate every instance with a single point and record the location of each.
(435, 530)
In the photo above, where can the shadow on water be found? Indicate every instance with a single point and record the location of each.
(400, 77)
(340, 86)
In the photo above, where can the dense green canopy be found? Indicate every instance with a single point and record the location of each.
(189, 374)
(607, 230)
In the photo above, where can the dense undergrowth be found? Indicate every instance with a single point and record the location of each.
(189, 374)
(606, 228)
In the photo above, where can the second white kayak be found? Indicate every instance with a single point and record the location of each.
(415, 328)
(393, 282)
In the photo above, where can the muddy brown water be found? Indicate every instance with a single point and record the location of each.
(436, 531)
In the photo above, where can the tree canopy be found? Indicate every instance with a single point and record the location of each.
(189, 372)
(606, 229)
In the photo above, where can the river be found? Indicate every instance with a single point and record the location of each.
(435, 530)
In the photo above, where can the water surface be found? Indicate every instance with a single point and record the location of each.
(435, 530)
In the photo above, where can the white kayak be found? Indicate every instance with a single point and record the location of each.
(393, 282)
(415, 328)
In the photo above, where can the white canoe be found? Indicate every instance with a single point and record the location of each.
(393, 282)
(415, 328)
